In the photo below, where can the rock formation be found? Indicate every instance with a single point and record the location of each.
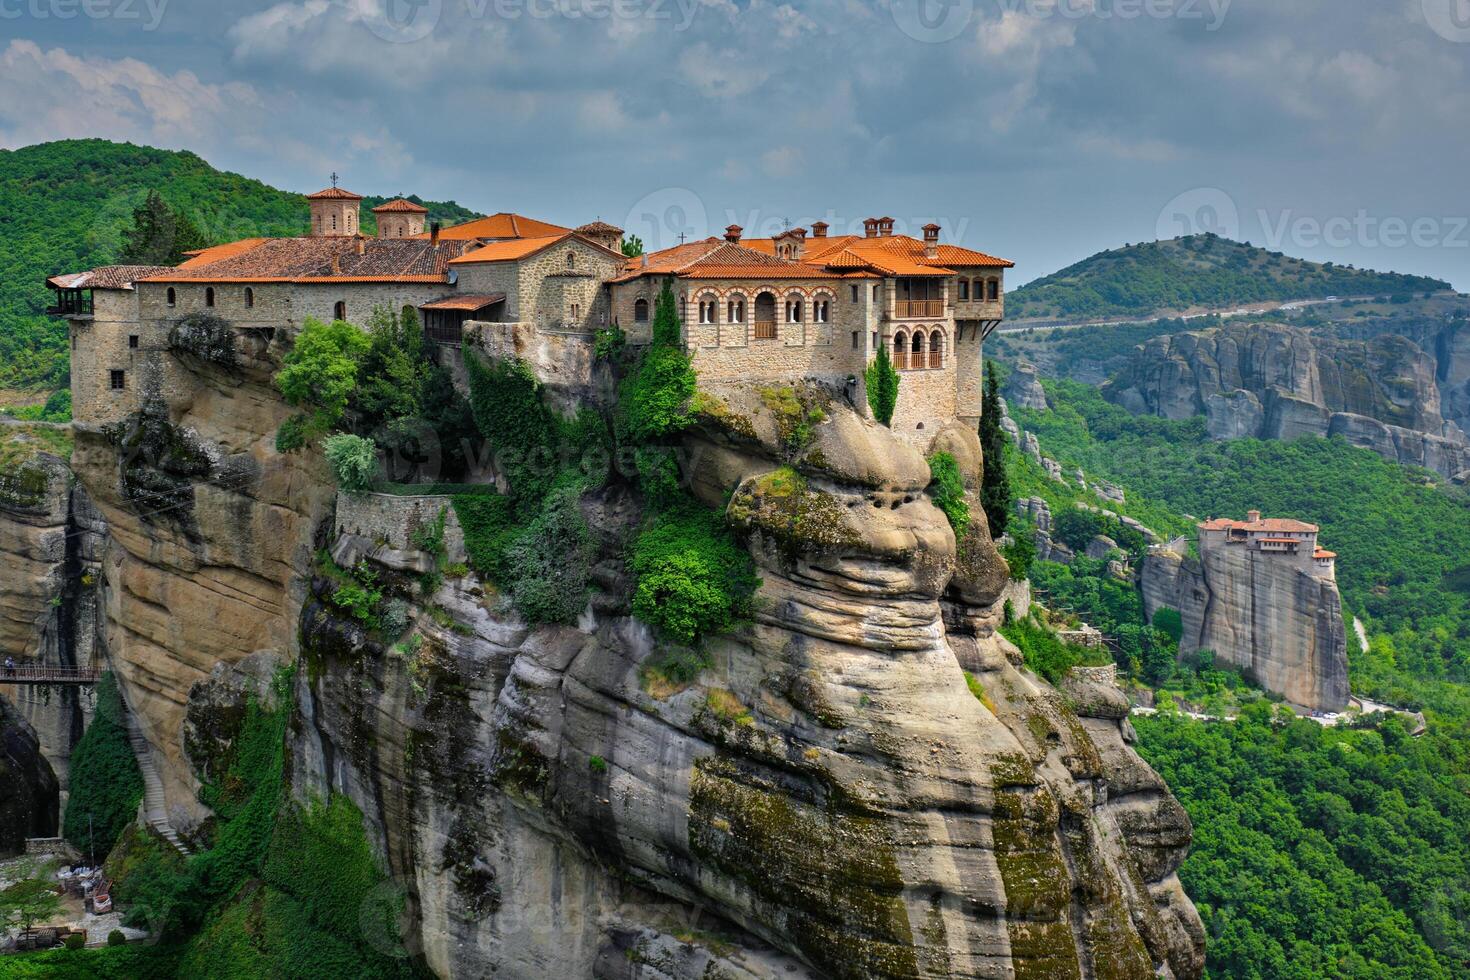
(1271, 381)
(1278, 622)
(828, 798)
(1023, 387)
(29, 793)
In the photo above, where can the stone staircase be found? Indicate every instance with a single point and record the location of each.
(155, 809)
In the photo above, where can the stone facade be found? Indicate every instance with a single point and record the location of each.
(397, 521)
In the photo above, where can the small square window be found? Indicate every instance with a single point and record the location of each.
(133, 341)
(119, 380)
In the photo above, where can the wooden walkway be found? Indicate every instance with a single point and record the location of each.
(37, 674)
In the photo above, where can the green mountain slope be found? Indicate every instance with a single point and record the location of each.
(63, 207)
(1153, 278)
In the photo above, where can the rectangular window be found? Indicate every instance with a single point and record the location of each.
(119, 381)
(964, 289)
(856, 340)
(854, 293)
(875, 340)
(133, 341)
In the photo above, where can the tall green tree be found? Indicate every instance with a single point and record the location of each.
(106, 783)
(995, 486)
(160, 235)
(882, 381)
(632, 246)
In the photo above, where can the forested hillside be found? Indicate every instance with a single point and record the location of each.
(64, 207)
(1317, 852)
(1199, 271)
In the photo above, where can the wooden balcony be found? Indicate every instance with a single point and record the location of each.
(765, 330)
(917, 309)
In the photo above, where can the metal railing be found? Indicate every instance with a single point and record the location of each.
(48, 674)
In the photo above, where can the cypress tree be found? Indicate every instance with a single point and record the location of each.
(160, 235)
(995, 486)
(882, 386)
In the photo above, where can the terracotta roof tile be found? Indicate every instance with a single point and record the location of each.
(1270, 525)
(334, 194)
(466, 303)
(510, 249)
(502, 225)
(400, 205)
(204, 256)
(320, 259)
(598, 228)
(106, 277)
(1324, 553)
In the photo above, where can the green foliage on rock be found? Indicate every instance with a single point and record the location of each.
(106, 784)
(694, 580)
(882, 385)
(653, 402)
(947, 488)
(552, 559)
(321, 369)
(1046, 653)
(354, 462)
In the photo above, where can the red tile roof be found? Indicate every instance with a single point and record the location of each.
(106, 277)
(715, 258)
(1324, 553)
(502, 225)
(333, 194)
(319, 259)
(466, 303)
(893, 255)
(598, 228)
(508, 250)
(400, 205)
(1269, 525)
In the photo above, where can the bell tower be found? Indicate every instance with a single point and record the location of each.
(334, 212)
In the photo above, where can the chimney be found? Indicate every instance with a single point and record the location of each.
(870, 227)
(434, 233)
(1253, 516)
(819, 229)
(931, 241)
(732, 233)
(361, 245)
(885, 227)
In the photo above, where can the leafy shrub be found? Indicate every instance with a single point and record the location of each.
(694, 579)
(552, 560)
(116, 938)
(75, 941)
(1020, 553)
(291, 436)
(609, 343)
(354, 462)
(597, 763)
(106, 783)
(1169, 622)
(1044, 651)
(320, 371)
(505, 398)
(394, 618)
(947, 488)
(882, 384)
(488, 522)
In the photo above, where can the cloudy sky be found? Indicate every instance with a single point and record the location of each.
(1041, 130)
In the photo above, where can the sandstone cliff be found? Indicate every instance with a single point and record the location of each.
(1280, 625)
(828, 798)
(1271, 381)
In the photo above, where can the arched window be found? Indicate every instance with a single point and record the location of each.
(339, 310)
(576, 311)
(900, 350)
(793, 309)
(936, 349)
(640, 311)
(171, 298)
(765, 316)
(334, 222)
(707, 305)
(821, 310)
(735, 310)
(571, 260)
(916, 350)
(995, 289)
(249, 297)
(208, 295)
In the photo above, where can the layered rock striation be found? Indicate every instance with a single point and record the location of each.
(1272, 381)
(1279, 623)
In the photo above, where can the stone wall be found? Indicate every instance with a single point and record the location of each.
(397, 521)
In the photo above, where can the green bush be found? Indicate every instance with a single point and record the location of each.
(116, 938)
(354, 462)
(106, 784)
(882, 384)
(321, 370)
(488, 522)
(947, 488)
(1169, 622)
(1044, 651)
(505, 398)
(552, 560)
(995, 484)
(693, 579)
(75, 941)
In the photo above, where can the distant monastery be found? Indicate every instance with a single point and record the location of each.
(803, 304)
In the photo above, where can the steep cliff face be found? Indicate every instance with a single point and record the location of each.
(1281, 625)
(828, 798)
(30, 804)
(1271, 381)
(208, 533)
(50, 536)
